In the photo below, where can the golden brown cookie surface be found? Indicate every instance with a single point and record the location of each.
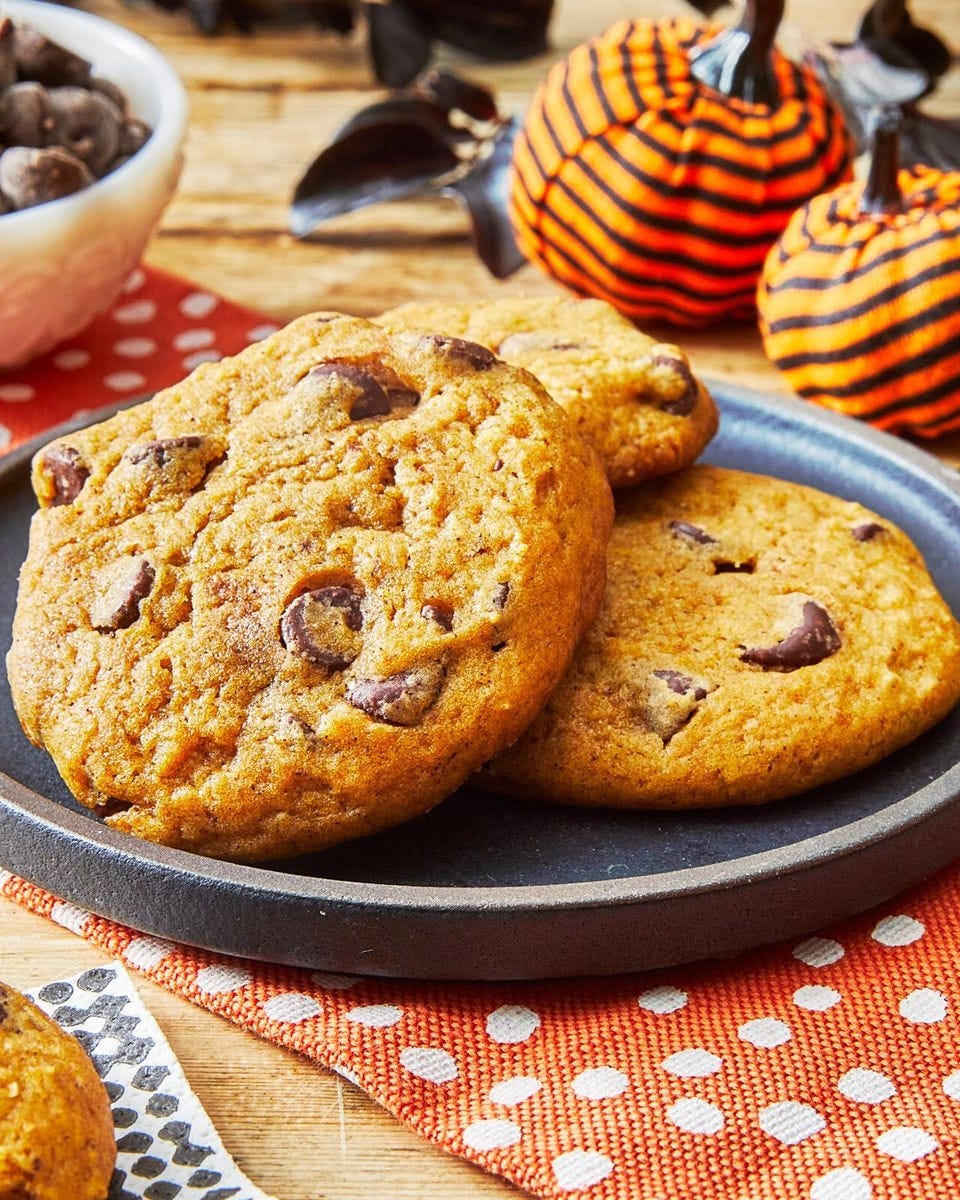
(56, 1128)
(757, 638)
(636, 401)
(300, 596)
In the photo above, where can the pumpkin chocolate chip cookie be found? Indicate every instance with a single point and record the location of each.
(636, 401)
(302, 595)
(757, 638)
(56, 1128)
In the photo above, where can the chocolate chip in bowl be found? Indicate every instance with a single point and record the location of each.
(92, 121)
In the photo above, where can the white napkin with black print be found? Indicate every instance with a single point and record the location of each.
(167, 1146)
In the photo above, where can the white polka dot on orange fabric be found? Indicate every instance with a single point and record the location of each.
(194, 339)
(138, 347)
(600, 1083)
(844, 1183)
(766, 1033)
(693, 1115)
(663, 1000)
(71, 360)
(514, 1090)
(125, 381)
(900, 930)
(818, 952)
(218, 978)
(70, 916)
(290, 1008)
(951, 1085)
(692, 1064)
(17, 393)
(815, 998)
(925, 1006)
(137, 312)
(346, 1073)
(866, 1086)
(375, 1016)
(790, 1122)
(429, 1063)
(512, 1023)
(147, 952)
(907, 1144)
(334, 983)
(198, 304)
(6, 437)
(579, 1169)
(491, 1134)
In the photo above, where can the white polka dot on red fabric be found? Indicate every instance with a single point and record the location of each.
(790, 1122)
(816, 999)
(512, 1023)
(900, 930)
(579, 1169)
(139, 347)
(198, 304)
(70, 916)
(818, 952)
(600, 1083)
(6, 437)
(662, 1000)
(17, 393)
(925, 1006)
(692, 1064)
(194, 339)
(71, 360)
(259, 332)
(217, 979)
(765, 1032)
(844, 1183)
(951, 1085)
(375, 1016)
(134, 281)
(907, 1144)
(429, 1063)
(514, 1090)
(290, 1008)
(147, 952)
(693, 1115)
(137, 312)
(334, 983)
(491, 1134)
(192, 361)
(866, 1086)
(124, 381)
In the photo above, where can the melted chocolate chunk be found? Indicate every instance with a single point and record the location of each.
(401, 699)
(370, 400)
(160, 452)
(867, 532)
(682, 684)
(471, 353)
(813, 640)
(67, 471)
(500, 594)
(122, 588)
(685, 401)
(322, 626)
(691, 533)
(442, 614)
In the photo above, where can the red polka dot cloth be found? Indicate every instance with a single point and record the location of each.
(823, 1069)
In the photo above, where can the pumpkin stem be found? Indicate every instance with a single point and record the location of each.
(881, 192)
(738, 62)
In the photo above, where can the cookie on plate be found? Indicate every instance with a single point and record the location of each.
(56, 1127)
(757, 638)
(636, 401)
(300, 596)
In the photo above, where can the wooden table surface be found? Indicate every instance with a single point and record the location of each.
(262, 107)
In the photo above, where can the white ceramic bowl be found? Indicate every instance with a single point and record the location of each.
(64, 262)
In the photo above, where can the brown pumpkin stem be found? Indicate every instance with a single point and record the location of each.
(881, 192)
(739, 61)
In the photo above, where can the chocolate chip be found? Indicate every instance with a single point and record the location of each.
(67, 472)
(691, 533)
(8, 61)
(471, 353)
(46, 61)
(500, 594)
(740, 566)
(682, 386)
(401, 699)
(867, 532)
(322, 626)
(25, 118)
(516, 345)
(682, 684)
(160, 452)
(29, 176)
(814, 639)
(442, 614)
(87, 124)
(370, 399)
(122, 587)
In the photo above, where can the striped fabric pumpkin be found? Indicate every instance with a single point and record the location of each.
(636, 182)
(859, 301)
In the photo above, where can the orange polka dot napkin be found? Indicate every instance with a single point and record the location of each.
(825, 1069)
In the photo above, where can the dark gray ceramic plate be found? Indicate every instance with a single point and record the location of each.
(492, 889)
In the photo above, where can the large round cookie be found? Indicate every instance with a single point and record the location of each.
(56, 1128)
(636, 401)
(757, 638)
(300, 596)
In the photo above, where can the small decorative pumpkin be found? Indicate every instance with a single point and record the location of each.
(659, 162)
(859, 301)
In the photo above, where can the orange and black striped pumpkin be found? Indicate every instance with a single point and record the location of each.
(659, 162)
(859, 301)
